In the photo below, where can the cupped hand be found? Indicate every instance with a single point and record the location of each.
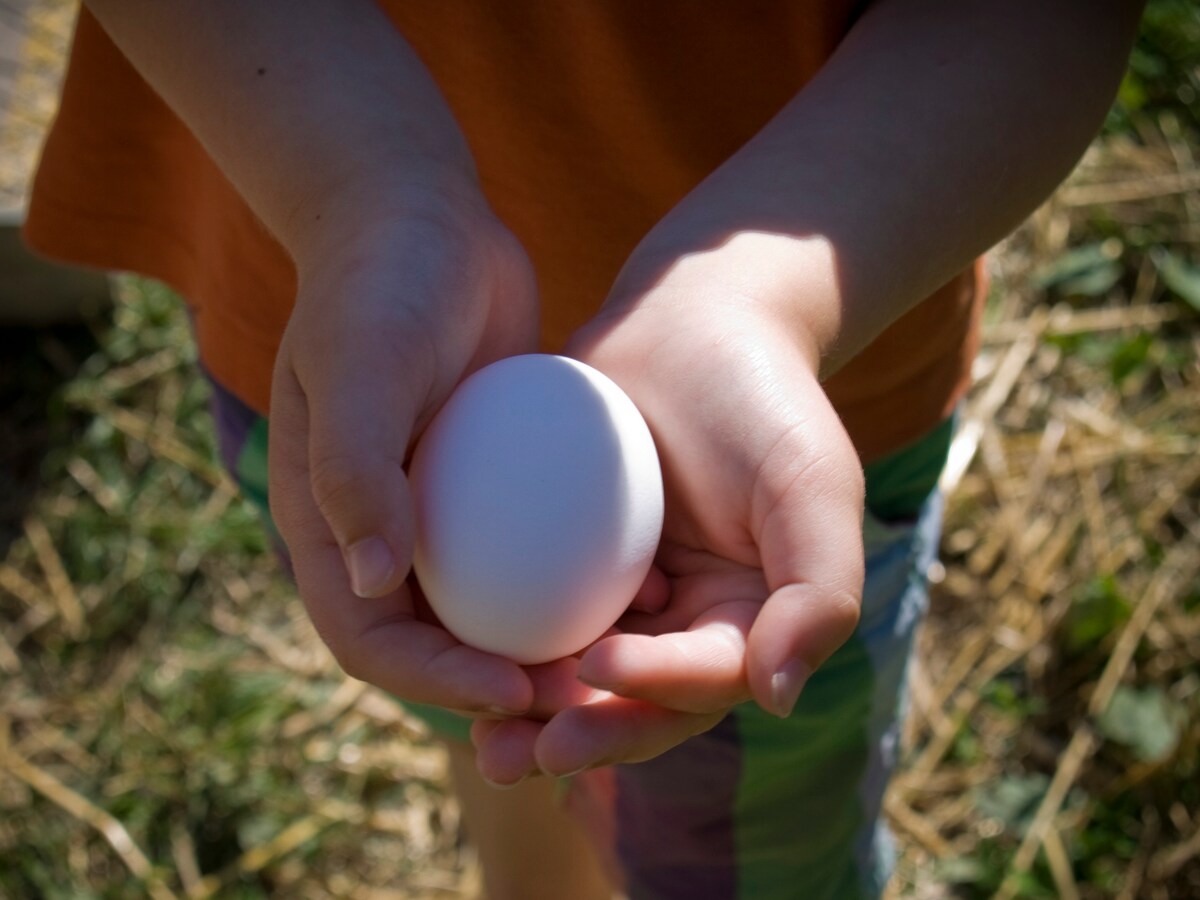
(391, 314)
(761, 552)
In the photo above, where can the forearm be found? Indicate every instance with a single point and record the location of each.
(315, 110)
(933, 131)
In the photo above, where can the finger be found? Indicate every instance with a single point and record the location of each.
(613, 730)
(654, 594)
(378, 640)
(800, 628)
(363, 399)
(556, 686)
(504, 751)
(691, 596)
(811, 544)
(700, 670)
(481, 728)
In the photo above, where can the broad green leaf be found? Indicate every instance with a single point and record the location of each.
(1088, 270)
(1146, 720)
(1182, 279)
(1132, 93)
(1130, 356)
(1007, 697)
(1092, 283)
(1097, 610)
(1013, 799)
(961, 870)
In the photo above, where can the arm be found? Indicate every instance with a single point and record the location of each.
(934, 129)
(333, 132)
(932, 132)
(311, 109)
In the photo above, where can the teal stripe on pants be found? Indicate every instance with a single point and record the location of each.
(812, 786)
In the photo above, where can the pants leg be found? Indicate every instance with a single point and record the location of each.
(760, 808)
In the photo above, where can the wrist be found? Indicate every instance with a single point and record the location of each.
(340, 218)
(790, 283)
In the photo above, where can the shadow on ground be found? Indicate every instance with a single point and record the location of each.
(35, 364)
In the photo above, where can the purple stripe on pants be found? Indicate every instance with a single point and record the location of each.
(233, 420)
(677, 809)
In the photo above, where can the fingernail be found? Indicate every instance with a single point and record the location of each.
(504, 711)
(612, 685)
(370, 564)
(504, 787)
(786, 685)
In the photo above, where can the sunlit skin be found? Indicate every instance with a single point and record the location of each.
(838, 217)
(745, 588)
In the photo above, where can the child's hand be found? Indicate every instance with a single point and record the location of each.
(762, 543)
(406, 283)
(390, 316)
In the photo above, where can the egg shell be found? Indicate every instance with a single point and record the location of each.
(539, 506)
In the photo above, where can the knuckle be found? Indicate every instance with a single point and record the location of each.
(329, 638)
(844, 611)
(342, 646)
(350, 669)
(288, 514)
(336, 480)
(348, 661)
(841, 481)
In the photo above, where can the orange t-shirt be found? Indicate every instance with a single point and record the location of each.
(588, 122)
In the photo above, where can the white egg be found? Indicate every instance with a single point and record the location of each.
(539, 506)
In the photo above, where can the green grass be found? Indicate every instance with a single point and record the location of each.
(180, 705)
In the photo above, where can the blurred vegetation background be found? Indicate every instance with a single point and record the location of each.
(171, 727)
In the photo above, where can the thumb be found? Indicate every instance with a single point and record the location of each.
(813, 562)
(361, 413)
